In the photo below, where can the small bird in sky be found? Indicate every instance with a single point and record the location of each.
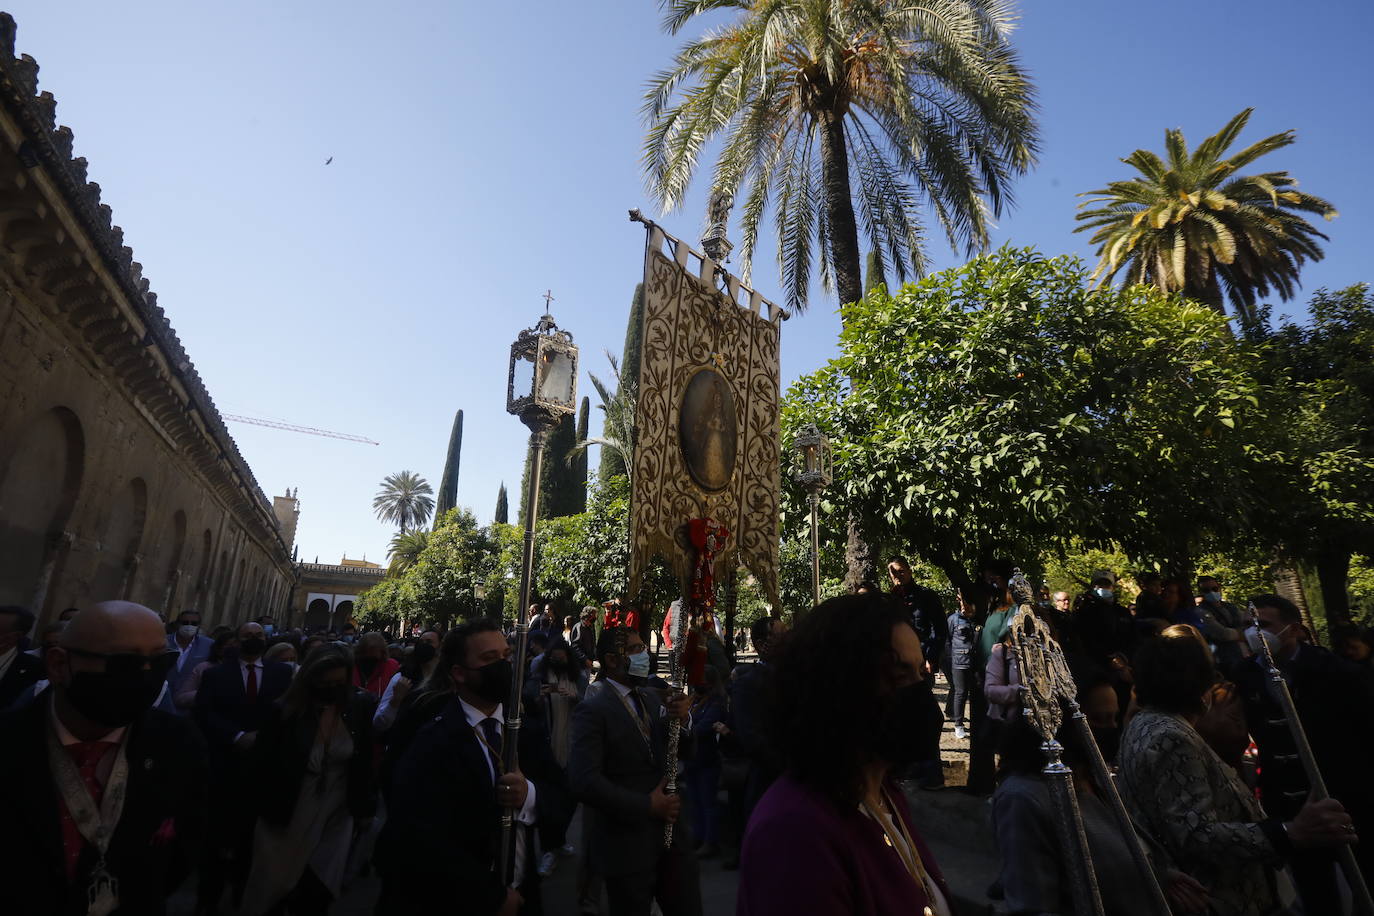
(329, 160)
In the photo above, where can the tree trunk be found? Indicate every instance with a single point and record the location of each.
(1333, 569)
(844, 261)
(839, 210)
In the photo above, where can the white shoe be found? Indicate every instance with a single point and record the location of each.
(546, 863)
(566, 850)
(960, 733)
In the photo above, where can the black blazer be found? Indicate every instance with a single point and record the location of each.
(159, 835)
(25, 671)
(222, 708)
(282, 751)
(443, 821)
(612, 771)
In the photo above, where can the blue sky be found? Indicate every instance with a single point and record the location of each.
(484, 152)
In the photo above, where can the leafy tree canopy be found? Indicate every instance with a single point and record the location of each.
(1005, 408)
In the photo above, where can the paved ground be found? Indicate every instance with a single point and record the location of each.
(955, 826)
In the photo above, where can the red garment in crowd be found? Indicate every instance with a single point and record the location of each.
(381, 676)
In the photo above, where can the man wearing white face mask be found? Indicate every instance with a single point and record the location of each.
(1335, 703)
(192, 648)
(1222, 624)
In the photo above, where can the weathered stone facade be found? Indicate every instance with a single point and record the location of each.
(118, 478)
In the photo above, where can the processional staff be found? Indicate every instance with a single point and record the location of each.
(1050, 692)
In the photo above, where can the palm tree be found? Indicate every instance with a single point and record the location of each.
(1192, 225)
(919, 100)
(405, 498)
(618, 427)
(405, 550)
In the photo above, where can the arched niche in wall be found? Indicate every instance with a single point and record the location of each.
(121, 542)
(343, 613)
(317, 613)
(41, 470)
(207, 554)
(172, 573)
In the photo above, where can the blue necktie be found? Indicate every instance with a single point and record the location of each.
(491, 730)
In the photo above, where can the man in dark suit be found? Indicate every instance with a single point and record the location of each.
(1335, 703)
(192, 648)
(18, 670)
(93, 735)
(616, 768)
(234, 699)
(744, 724)
(584, 639)
(437, 851)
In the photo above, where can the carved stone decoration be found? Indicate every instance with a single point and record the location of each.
(706, 420)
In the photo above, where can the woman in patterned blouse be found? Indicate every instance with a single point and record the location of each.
(1194, 805)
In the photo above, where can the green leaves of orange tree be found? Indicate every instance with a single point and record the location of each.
(1005, 408)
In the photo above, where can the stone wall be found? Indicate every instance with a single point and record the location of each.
(117, 476)
(326, 594)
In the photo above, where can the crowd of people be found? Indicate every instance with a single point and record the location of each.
(274, 767)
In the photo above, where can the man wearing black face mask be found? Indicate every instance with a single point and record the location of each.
(106, 795)
(235, 697)
(448, 791)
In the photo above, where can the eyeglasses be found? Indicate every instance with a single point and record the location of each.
(125, 663)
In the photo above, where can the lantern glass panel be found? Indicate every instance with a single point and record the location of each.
(810, 456)
(555, 379)
(522, 377)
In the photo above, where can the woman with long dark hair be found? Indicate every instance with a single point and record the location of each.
(315, 788)
(834, 834)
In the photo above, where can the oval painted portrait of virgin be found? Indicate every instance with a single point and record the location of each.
(707, 430)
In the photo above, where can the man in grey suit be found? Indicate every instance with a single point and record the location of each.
(192, 648)
(616, 768)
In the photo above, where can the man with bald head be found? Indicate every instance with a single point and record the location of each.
(106, 801)
(234, 699)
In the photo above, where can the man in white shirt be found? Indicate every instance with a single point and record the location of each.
(449, 790)
(192, 648)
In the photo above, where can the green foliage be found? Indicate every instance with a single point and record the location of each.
(405, 498)
(1193, 225)
(502, 514)
(922, 103)
(577, 460)
(1005, 409)
(381, 607)
(617, 426)
(448, 484)
(438, 587)
(406, 549)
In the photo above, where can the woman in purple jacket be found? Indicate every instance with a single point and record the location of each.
(833, 836)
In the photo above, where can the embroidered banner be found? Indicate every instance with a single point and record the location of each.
(706, 418)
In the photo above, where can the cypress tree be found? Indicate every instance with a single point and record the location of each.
(611, 463)
(448, 486)
(502, 515)
(577, 500)
(555, 481)
(873, 273)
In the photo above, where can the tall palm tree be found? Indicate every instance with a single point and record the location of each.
(405, 498)
(846, 113)
(1192, 225)
(405, 550)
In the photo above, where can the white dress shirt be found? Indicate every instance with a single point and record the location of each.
(526, 814)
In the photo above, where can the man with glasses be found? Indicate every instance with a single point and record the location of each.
(192, 647)
(106, 802)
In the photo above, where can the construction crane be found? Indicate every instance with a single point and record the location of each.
(291, 427)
